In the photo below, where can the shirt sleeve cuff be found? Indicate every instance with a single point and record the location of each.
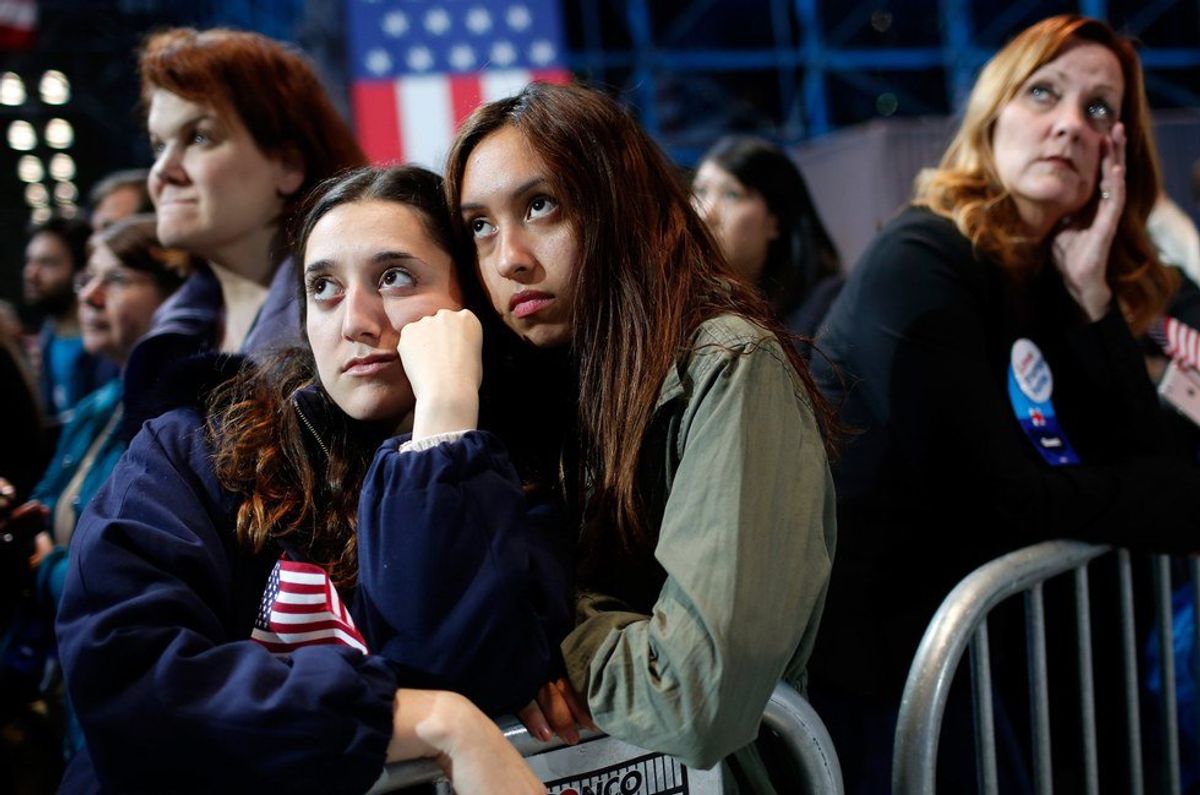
(417, 445)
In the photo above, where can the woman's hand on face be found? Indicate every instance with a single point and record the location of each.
(443, 358)
(467, 745)
(557, 709)
(1081, 255)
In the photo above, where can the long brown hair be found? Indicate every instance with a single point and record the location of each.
(966, 186)
(271, 87)
(649, 274)
(301, 475)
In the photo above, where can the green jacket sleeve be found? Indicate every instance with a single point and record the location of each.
(747, 542)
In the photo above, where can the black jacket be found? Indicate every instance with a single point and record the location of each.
(940, 477)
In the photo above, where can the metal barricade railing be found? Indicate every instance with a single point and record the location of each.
(787, 713)
(961, 621)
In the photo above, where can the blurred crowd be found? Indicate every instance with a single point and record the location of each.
(313, 465)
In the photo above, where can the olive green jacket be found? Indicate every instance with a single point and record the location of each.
(745, 546)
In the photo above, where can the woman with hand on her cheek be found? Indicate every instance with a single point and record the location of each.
(237, 616)
(984, 346)
(684, 435)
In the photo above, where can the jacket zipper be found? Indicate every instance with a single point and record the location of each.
(305, 422)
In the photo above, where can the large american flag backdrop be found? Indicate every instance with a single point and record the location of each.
(419, 67)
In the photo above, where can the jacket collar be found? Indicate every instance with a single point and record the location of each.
(315, 410)
(673, 385)
(194, 309)
(323, 421)
(278, 322)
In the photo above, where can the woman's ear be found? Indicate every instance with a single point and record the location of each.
(291, 173)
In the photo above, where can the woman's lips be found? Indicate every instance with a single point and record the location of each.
(1060, 161)
(369, 365)
(529, 302)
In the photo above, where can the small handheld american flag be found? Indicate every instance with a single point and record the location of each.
(1178, 340)
(301, 607)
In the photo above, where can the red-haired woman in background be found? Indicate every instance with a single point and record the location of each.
(241, 129)
(986, 342)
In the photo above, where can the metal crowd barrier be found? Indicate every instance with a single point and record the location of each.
(787, 713)
(962, 620)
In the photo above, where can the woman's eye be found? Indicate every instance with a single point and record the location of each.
(396, 278)
(1100, 111)
(481, 228)
(541, 206)
(201, 138)
(1041, 93)
(322, 288)
(731, 195)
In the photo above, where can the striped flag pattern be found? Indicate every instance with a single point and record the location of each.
(1179, 341)
(419, 67)
(18, 24)
(301, 607)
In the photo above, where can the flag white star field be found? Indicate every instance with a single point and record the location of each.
(419, 67)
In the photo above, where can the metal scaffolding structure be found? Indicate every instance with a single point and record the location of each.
(798, 69)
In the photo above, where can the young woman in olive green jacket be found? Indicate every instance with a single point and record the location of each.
(655, 391)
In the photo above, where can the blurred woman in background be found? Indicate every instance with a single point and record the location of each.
(127, 277)
(986, 348)
(757, 205)
(241, 129)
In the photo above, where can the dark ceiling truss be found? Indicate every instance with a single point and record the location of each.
(815, 52)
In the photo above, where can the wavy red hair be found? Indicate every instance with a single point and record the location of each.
(271, 87)
(966, 187)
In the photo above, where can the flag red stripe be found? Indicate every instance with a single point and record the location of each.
(291, 609)
(465, 96)
(298, 566)
(287, 647)
(313, 626)
(377, 120)
(16, 39)
(552, 75)
(301, 587)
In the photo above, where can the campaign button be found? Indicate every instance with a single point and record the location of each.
(1031, 372)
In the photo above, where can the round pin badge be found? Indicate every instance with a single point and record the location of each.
(1030, 387)
(1031, 371)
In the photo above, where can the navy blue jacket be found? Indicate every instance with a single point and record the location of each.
(460, 586)
(190, 322)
